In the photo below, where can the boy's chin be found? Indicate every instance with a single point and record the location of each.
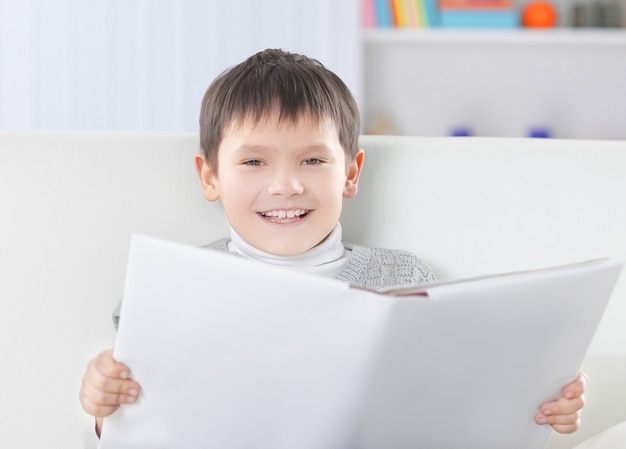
(293, 245)
(287, 248)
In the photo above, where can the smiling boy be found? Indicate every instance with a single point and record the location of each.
(281, 184)
(279, 138)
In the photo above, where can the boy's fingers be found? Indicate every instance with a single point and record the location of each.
(105, 385)
(560, 423)
(573, 418)
(569, 404)
(111, 384)
(563, 406)
(113, 392)
(97, 410)
(106, 365)
(105, 374)
(100, 403)
(566, 428)
(577, 387)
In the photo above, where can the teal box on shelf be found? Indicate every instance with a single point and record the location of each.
(478, 19)
(478, 14)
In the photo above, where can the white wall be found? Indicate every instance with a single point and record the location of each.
(145, 64)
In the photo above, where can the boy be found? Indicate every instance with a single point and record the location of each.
(279, 137)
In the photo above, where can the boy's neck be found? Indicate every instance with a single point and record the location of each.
(325, 259)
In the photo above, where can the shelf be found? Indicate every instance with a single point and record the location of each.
(565, 36)
(498, 82)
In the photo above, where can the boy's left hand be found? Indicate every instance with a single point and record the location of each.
(563, 414)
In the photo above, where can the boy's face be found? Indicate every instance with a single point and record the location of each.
(281, 184)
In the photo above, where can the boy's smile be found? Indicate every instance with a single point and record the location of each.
(284, 216)
(281, 183)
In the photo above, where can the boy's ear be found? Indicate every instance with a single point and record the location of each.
(354, 171)
(207, 177)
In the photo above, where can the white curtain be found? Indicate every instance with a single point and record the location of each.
(145, 64)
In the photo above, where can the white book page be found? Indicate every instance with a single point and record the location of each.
(237, 354)
(469, 365)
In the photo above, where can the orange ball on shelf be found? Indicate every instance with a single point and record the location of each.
(539, 15)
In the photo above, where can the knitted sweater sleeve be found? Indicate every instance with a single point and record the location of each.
(380, 268)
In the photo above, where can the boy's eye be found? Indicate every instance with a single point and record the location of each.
(312, 161)
(252, 162)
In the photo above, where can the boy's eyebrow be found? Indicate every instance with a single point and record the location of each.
(319, 146)
(247, 147)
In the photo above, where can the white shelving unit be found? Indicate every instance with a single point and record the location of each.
(565, 36)
(496, 82)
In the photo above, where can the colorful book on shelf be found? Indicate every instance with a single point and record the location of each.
(368, 14)
(431, 12)
(426, 16)
(384, 15)
(398, 13)
(409, 13)
(413, 13)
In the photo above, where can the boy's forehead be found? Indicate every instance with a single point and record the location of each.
(306, 132)
(275, 123)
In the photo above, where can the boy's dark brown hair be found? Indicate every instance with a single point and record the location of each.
(277, 81)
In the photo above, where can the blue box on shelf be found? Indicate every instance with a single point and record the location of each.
(478, 14)
(479, 19)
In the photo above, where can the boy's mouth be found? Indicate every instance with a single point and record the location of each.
(284, 214)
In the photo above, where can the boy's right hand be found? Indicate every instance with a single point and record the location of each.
(105, 386)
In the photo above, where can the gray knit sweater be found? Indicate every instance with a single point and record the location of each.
(371, 268)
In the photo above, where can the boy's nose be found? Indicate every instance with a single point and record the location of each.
(286, 184)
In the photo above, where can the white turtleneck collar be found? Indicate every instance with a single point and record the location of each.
(326, 259)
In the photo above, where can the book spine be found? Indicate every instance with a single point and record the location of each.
(397, 9)
(431, 12)
(422, 18)
(383, 13)
(368, 13)
(412, 15)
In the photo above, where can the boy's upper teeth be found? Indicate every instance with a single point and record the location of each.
(284, 213)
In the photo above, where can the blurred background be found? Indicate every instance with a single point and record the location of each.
(145, 64)
(417, 67)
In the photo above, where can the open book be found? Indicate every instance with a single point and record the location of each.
(237, 354)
